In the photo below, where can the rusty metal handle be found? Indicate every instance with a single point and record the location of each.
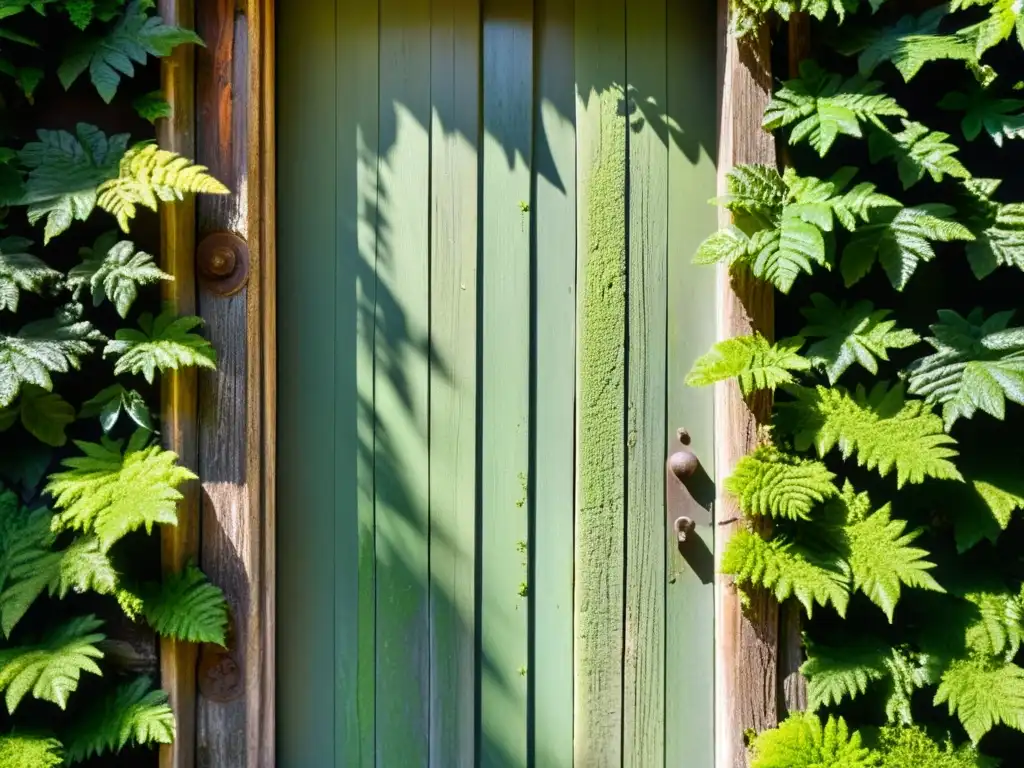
(689, 500)
(682, 466)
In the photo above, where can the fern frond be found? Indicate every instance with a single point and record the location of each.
(978, 364)
(917, 150)
(983, 694)
(27, 561)
(983, 508)
(24, 751)
(114, 271)
(84, 567)
(50, 670)
(55, 345)
(133, 714)
(770, 483)
(149, 175)
(752, 360)
(912, 747)
(785, 569)
(997, 626)
(857, 334)
(1006, 19)
(726, 246)
(186, 606)
(108, 404)
(152, 106)
(133, 39)
(21, 271)
(899, 239)
(983, 111)
(885, 430)
(65, 171)
(909, 44)
(755, 195)
(165, 343)
(111, 493)
(998, 228)
(801, 741)
(821, 106)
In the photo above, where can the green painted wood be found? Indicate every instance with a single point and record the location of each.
(356, 254)
(402, 371)
(554, 386)
(643, 665)
(310, 473)
(507, 74)
(601, 376)
(689, 674)
(455, 72)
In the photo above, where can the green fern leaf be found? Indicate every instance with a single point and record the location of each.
(998, 228)
(909, 44)
(186, 606)
(983, 694)
(726, 246)
(885, 430)
(769, 483)
(822, 106)
(983, 509)
(859, 203)
(152, 106)
(132, 715)
(114, 270)
(785, 569)
(64, 173)
(22, 751)
(45, 415)
(1006, 18)
(801, 741)
(752, 360)
(148, 175)
(983, 111)
(978, 364)
(42, 347)
(857, 334)
(112, 493)
(21, 271)
(917, 151)
(84, 567)
(133, 39)
(51, 669)
(755, 195)
(997, 628)
(26, 559)
(905, 747)
(900, 239)
(164, 343)
(111, 401)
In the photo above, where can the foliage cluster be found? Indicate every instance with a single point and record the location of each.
(83, 476)
(889, 472)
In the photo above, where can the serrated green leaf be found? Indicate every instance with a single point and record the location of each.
(114, 270)
(752, 360)
(984, 507)
(1006, 18)
(186, 606)
(165, 343)
(18, 750)
(983, 694)
(111, 401)
(774, 484)
(857, 334)
(152, 106)
(917, 150)
(724, 246)
(998, 228)
(21, 271)
(983, 111)
(801, 741)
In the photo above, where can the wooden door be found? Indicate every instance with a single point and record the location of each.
(487, 213)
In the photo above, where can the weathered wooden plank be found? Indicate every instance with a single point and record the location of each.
(746, 640)
(356, 78)
(601, 381)
(554, 385)
(309, 475)
(178, 401)
(690, 610)
(402, 370)
(454, 72)
(643, 665)
(505, 380)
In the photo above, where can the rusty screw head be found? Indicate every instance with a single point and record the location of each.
(684, 527)
(223, 261)
(218, 262)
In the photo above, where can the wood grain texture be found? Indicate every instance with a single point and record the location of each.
(601, 382)
(647, 272)
(454, 75)
(505, 381)
(747, 640)
(692, 179)
(554, 385)
(401, 397)
(229, 709)
(179, 390)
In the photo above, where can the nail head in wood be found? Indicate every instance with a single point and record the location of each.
(223, 261)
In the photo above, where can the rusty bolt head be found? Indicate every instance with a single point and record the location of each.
(219, 262)
(223, 261)
(683, 464)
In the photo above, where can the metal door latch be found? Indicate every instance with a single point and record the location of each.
(689, 497)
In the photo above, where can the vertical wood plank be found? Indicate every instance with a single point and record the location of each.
(505, 380)
(746, 640)
(310, 475)
(643, 664)
(455, 72)
(178, 401)
(356, 82)
(554, 386)
(228, 726)
(689, 661)
(401, 358)
(601, 382)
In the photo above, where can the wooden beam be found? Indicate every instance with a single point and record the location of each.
(179, 543)
(746, 640)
